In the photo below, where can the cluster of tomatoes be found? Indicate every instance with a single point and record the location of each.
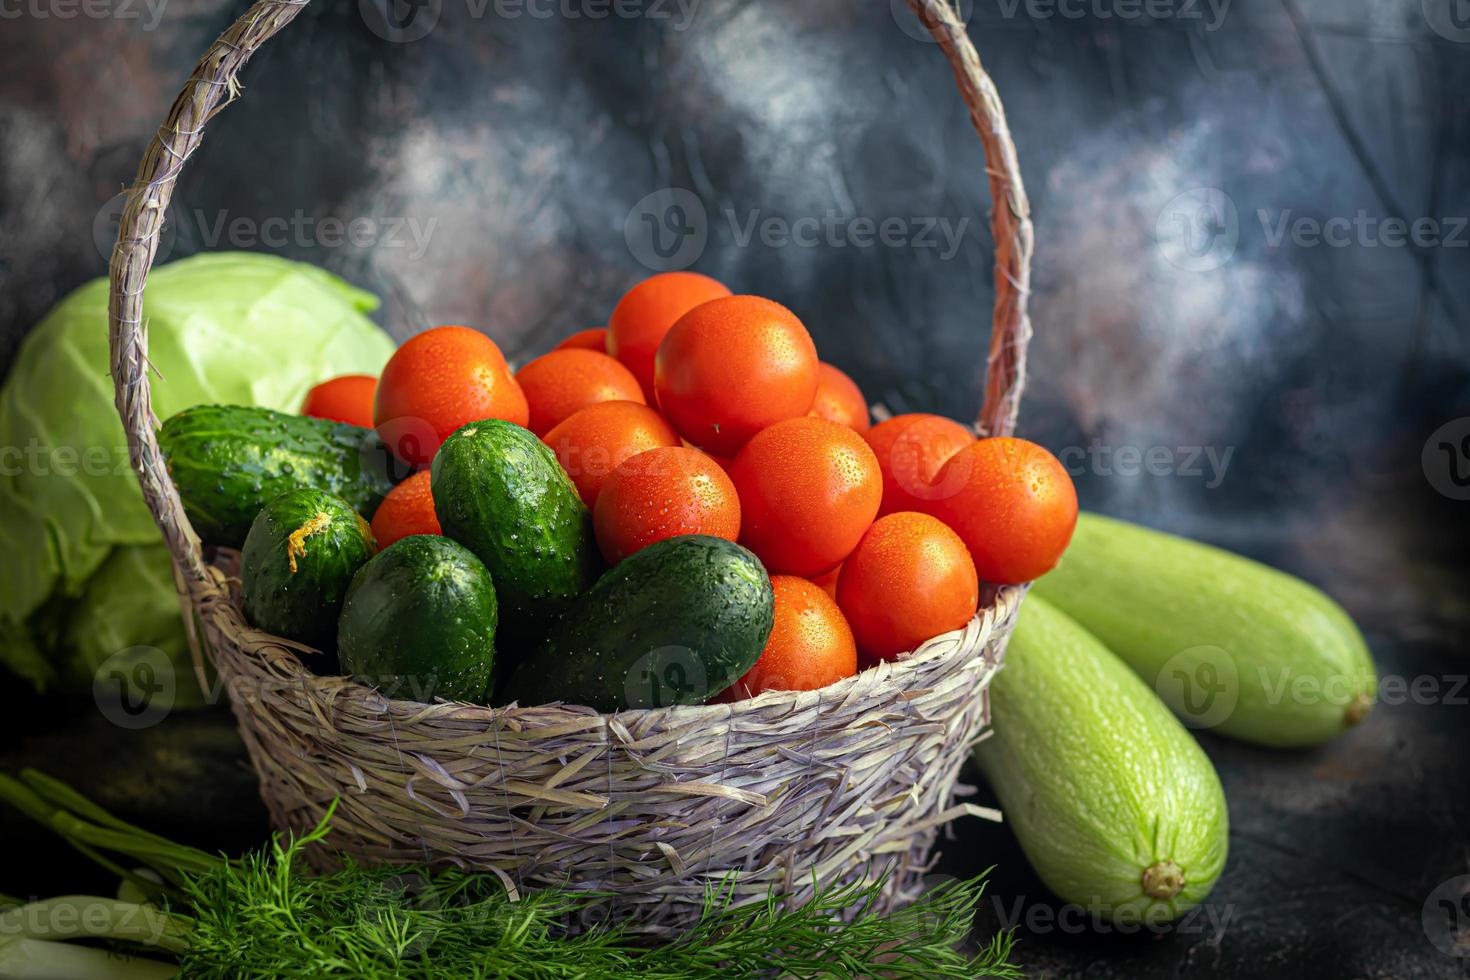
(696, 411)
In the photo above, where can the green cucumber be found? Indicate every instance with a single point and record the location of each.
(1115, 805)
(228, 461)
(419, 622)
(675, 623)
(298, 560)
(499, 491)
(1229, 643)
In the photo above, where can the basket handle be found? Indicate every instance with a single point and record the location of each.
(213, 85)
(1010, 219)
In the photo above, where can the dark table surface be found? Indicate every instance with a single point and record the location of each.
(1313, 367)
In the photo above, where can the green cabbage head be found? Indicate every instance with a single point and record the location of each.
(83, 571)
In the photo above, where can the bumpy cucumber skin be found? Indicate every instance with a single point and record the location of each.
(228, 461)
(419, 622)
(1095, 776)
(1170, 606)
(499, 491)
(675, 623)
(302, 603)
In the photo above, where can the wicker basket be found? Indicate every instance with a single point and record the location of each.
(655, 806)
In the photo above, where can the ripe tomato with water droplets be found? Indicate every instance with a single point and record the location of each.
(436, 382)
(661, 494)
(828, 582)
(732, 367)
(348, 398)
(592, 442)
(593, 339)
(808, 488)
(911, 450)
(908, 580)
(839, 399)
(810, 645)
(646, 313)
(407, 510)
(1013, 505)
(565, 381)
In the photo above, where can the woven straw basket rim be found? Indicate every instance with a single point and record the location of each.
(864, 770)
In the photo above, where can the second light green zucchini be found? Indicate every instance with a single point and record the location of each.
(1230, 644)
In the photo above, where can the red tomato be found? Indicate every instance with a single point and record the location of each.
(594, 339)
(908, 580)
(646, 312)
(408, 509)
(732, 367)
(438, 381)
(1013, 505)
(839, 399)
(811, 645)
(661, 494)
(564, 381)
(911, 449)
(345, 399)
(594, 441)
(828, 582)
(808, 488)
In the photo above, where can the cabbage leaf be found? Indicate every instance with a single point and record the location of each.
(84, 573)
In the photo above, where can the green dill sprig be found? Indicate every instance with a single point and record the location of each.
(264, 915)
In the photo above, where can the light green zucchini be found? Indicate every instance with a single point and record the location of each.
(1114, 803)
(1230, 644)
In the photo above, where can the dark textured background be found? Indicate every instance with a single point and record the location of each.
(523, 144)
